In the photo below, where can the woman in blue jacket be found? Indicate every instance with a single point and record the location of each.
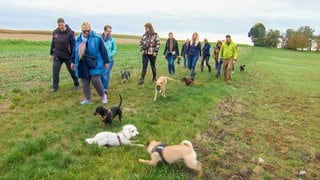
(89, 43)
(194, 52)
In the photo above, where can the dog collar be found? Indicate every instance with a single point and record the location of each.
(159, 150)
(119, 139)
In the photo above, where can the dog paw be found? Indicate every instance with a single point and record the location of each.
(141, 160)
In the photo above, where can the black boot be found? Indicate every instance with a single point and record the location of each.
(209, 68)
(141, 81)
(201, 67)
(192, 74)
(154, 77)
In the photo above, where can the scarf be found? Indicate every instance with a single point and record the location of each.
(82, 46)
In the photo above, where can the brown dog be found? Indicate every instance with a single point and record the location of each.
(187, 81)
(170, 154)
(161, 85)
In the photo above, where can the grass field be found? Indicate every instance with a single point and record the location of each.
(271, 111)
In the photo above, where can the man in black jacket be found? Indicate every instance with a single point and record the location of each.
(62, 51)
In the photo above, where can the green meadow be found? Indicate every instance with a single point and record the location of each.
(271, 111)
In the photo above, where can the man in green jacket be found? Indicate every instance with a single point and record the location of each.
(228, 54)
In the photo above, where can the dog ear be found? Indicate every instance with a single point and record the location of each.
(127, 133)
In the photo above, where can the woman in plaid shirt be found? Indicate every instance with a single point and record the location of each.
(149, 47)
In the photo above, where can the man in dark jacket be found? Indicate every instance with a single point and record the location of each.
(62, 51)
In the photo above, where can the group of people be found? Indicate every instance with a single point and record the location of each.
(225, 54)
(90, 57)
(74, 52)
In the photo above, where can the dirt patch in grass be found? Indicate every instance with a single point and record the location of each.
(218, 146)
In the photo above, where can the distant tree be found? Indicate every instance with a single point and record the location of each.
(257, 34)
(307, 32)
(299, 39)
(272, 38)
(288, 43)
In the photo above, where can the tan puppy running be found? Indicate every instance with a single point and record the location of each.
(161, 85)
(169, 154)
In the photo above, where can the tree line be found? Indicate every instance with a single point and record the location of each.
(302, 38)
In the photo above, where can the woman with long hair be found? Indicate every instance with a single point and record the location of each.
(194, 52)
(149, 47)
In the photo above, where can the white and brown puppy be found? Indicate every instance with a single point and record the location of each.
(115, 139)
(170, 154)
(161, 85)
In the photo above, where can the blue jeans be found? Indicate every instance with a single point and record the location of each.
(185, 61)
(106, 76)
(218, 67)
(171, 67)
(192, 61)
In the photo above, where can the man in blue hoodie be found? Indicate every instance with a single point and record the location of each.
(62, 51)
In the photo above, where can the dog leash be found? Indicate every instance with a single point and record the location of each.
(159, 150)
(119, 139)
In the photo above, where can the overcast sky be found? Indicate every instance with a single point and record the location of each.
(212, 19)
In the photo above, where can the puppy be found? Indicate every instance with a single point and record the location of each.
(115, 139)
(170, 154)
(242, 67)
(107, 115)
(125, 75)
(160, 86)
(187, 81)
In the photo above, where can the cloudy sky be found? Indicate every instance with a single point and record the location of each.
(212, 19)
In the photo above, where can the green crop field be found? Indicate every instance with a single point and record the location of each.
(271, 111)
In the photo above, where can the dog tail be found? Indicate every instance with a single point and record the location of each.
(90, 140)
(120, 100)
(187, 143)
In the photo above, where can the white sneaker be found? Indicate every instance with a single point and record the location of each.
(104, 99)
(85, 101)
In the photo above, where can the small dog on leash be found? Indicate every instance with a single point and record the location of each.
(124, 75)
(115, 139)
(107, 115)
(161, 85)
(170, 154)
(187, 81)
(242, 68)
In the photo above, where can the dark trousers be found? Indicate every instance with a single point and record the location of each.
(205, 59)
(145, 59)
(56, 67)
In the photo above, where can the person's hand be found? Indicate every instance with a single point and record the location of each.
(106, 66)
(72, 66)
(234, 61)
(154, 54)
(50, 57)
